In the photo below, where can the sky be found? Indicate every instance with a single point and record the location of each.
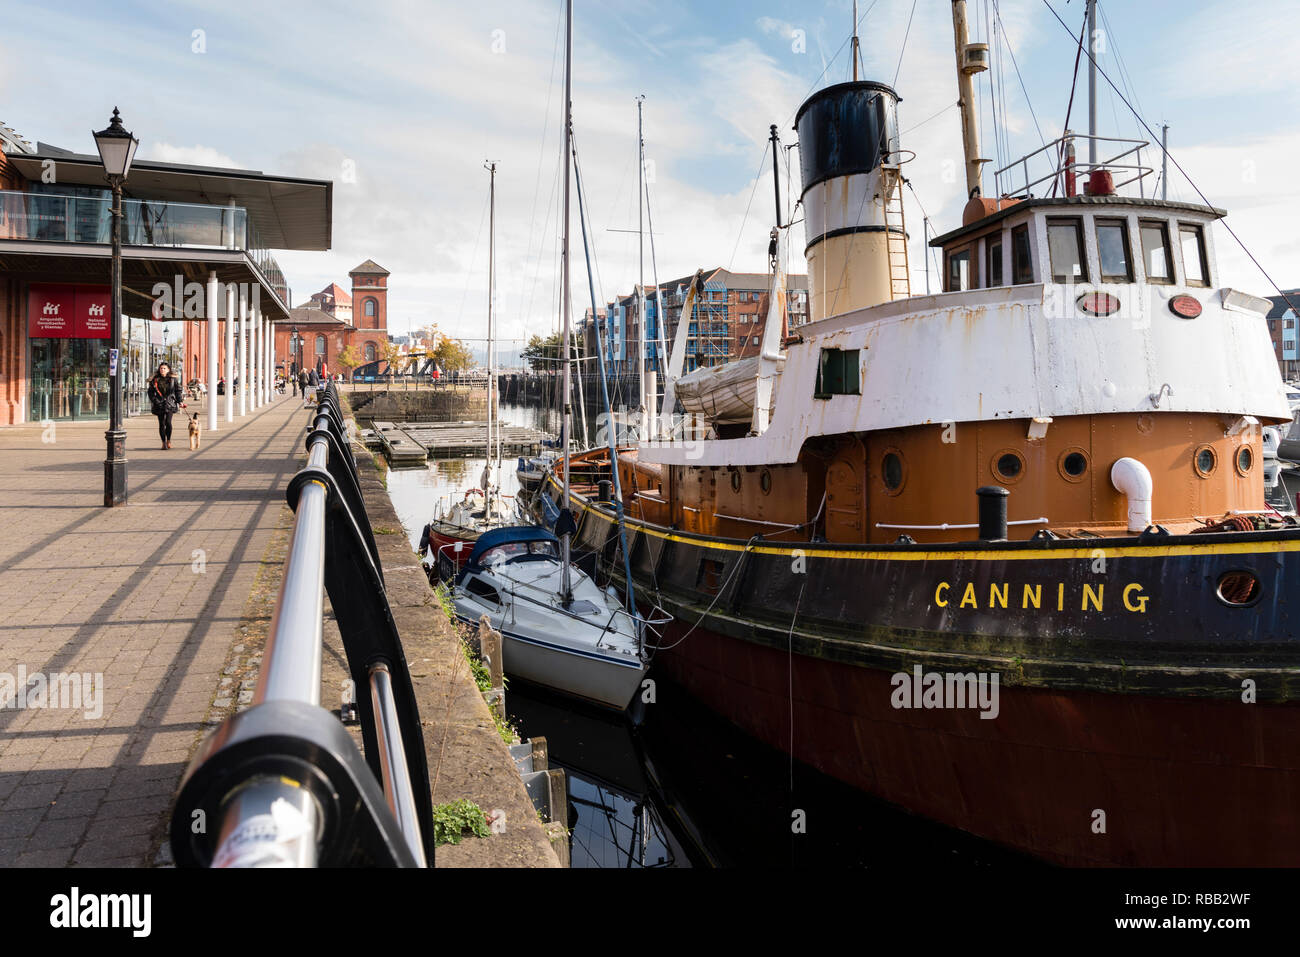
(400, 102)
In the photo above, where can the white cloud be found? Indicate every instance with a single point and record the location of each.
(192, 155)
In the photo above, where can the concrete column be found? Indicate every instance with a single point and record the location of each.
(254, 354)
(211, 373)
(243, 352)
(255, 357)
(270, 361)
(229, 364)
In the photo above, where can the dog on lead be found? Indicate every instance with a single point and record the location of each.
(195, 434)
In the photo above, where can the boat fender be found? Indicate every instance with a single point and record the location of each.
(1132, 479)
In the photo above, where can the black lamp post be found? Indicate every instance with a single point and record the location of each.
(116, 150)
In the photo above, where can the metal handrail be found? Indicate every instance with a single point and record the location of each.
(1059, 165)
(284, 779)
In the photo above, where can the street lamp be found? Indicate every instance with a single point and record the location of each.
(116, 151)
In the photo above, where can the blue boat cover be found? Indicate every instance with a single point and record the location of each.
(505, 536)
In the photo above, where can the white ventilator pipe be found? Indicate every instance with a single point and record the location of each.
(1132, 479)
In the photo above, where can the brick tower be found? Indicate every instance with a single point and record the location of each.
(370, 301)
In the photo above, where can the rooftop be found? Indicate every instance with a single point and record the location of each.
(288, 212)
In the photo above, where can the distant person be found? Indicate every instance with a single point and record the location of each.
(293, 377)
(165, 400)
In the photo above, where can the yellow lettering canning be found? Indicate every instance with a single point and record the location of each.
(968, 597)
(1141, 599)
(943, 602)
(996, 597)
(1093, 597)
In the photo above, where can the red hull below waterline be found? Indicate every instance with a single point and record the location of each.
(1076, 778)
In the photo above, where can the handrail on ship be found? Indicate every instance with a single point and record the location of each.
(1059, 164)
(282, 783)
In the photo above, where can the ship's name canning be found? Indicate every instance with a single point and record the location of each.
(1089, 597)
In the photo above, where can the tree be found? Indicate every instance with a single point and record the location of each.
(543, 355)
(349, 359)
(453, 355)
(393, 353)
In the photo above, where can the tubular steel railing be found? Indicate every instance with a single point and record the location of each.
(282, 783)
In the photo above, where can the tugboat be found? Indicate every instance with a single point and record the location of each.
(999, 555)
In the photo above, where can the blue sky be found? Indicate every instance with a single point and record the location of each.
(415, 95)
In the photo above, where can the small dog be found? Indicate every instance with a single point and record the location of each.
(195, 434)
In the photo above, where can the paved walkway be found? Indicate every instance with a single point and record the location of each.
(149, 596)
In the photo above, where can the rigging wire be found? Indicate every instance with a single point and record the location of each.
(541, 152)
(758, 174)
(469, 272)
(1150, 132)
(903, 49)
(1074, 83)
(997, 13)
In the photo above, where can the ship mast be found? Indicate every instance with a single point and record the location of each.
(1092, 84)
(855, 54)
(969, 62)
(486, 480)
(564, 523)
(640, 289)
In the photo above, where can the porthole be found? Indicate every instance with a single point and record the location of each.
(735, 480)
(1205, 461)
(891, 471)
(1245, 459)
(1239, 588)
(1073, 465)
(1008, 466)
(765, 481)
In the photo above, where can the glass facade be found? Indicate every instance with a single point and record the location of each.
(69, 377)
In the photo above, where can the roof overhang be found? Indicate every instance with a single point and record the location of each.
(288, 213)
(143, 267)
(1089, 202)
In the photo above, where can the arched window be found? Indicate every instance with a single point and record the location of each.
(371, 308)
(320, 347)
(371, 354)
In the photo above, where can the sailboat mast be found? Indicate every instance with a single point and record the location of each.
(566, 586)
(640, 240)
(491, 167)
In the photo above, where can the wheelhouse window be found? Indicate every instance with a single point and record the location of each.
(1022, 260)
(1065, 247)
(1155, 253)
(959, 271)
(837, 373)
(993, 260)
(1192, 240)
(1112, 249)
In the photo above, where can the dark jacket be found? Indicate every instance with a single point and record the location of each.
(164, 395)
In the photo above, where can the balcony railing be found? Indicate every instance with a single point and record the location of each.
(59, 218)
(1048, 166)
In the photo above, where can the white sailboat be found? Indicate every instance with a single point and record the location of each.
(483, 507)
(559, 629)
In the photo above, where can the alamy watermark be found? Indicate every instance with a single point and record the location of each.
(75, 690)
(936, 689)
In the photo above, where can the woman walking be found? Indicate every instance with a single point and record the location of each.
(165, 400)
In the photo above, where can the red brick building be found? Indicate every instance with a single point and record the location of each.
(332, 321)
